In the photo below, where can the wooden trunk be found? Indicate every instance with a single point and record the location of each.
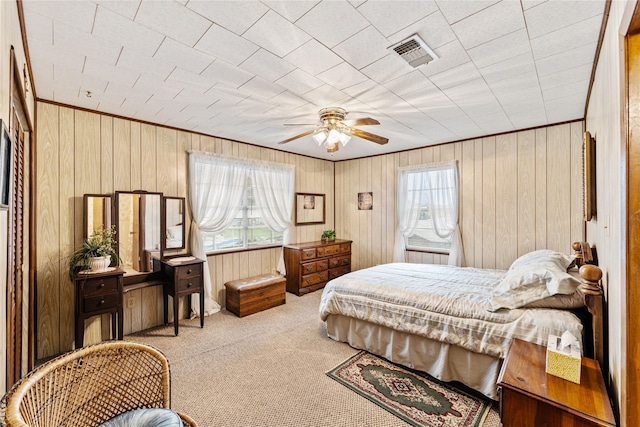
(254, 294)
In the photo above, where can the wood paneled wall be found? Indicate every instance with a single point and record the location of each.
(518, 192)
(82, 152)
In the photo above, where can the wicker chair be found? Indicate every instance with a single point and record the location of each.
(88, 386)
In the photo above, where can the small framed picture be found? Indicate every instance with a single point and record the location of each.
(5, 164)
(365, 201)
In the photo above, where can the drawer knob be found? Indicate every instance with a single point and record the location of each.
(101, 301)
(189, 271)
(189, 285)
(101, 285)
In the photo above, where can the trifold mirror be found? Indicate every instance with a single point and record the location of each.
(174, 221)
(139, 228)
(98, 213)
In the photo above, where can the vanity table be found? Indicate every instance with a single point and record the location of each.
(181, 276)
(98, 293)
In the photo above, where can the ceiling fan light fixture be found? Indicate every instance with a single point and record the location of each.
(344, 138)
(320, 136)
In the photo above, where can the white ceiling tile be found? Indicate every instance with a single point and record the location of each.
(288, 101)
(342, 76)
(516, 94)
(298, 82)
(552, 16)
(91, 82)
(276, 34)
(580, 56)
(39, 29)
(566, 90)
(313, 57)
(566, 39)
(412, 82)
(493, 22)
(81, 101)
(226, 74)
(391, 17)
(111, 73)
(144, 64)
(567, 108)
(456, 76)
(223, 44)
(180, 55)
(173, 19)
(579, 73)
(366, 88)
(260, 88)
(121, 31)
(126, 8)
(193, 81)
(500, 49)
(363, 48)
(74, 40)
(528, 4)
(57, 55)
(433, 29)
(454, 11)
(512, 67)
(291, 10)
(386, 69)
(344, 21)
(326, 96)
(474, 98)
(533, 103)
(494, 123)
(528, 119)
(160, 89)
(78, 14)
(450, 56)
(236, 16)
(266, 65)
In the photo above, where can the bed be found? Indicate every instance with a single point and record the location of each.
(456, 323)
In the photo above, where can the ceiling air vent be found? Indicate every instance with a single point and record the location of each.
(415, 51)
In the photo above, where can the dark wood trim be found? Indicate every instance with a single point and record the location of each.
(25, 45)
(631, 393)
(634, 26)
(231, 251)
(603, 27)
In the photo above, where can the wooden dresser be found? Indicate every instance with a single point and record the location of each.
(311, 264)
(529, 397)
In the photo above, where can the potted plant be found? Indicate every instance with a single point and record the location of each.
(96, 253)
(328, 235)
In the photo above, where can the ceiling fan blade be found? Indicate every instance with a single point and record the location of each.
(361, 122)
(309, 132)
(369, 136)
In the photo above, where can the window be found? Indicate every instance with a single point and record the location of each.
(427, 207)
(247, 230)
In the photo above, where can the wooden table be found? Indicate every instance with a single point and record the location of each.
(531, 397)
(98, 293)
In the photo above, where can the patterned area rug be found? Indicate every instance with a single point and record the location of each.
(416, 398)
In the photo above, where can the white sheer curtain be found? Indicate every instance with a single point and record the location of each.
(273, 190)
(439, 184)
(216, 189)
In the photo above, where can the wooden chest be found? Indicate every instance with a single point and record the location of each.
(311, 265)
(254, 294)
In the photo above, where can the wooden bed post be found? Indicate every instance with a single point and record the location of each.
(594, 301)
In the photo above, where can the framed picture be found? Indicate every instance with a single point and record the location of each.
(309, 208)
(589, 164)
(5, 164)
(365, 201)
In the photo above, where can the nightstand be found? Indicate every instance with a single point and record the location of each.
(531, 397)
(182, 276)
(98, 293)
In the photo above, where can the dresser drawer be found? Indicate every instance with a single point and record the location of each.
(308, 254)
(100, 302)
(312, 279)
(189, 271)
(345, 248)
(100, 286)
(328, 250)
(309, 267)
(339, 261)
(322, 265)
(189, 284)
(337, 272)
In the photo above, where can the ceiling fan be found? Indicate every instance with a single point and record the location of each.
(333, 129)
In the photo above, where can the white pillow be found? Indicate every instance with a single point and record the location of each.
(532, 277)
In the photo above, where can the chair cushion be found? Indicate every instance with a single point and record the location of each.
(151, 417)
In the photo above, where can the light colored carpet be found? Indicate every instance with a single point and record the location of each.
(266, 369)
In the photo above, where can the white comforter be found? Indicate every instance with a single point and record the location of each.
(443, 303)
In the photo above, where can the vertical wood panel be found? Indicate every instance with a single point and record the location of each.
(478, 203)
(506, 198)
(541, 188)
(489, 203)
(467, 200)
(558, 190)
(526, 192)
(577, 233)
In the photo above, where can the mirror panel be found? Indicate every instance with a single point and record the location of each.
(98, 211)
(139, 229)
(174, 222)
(309, 208)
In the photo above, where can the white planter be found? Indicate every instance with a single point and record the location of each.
(99, 263)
